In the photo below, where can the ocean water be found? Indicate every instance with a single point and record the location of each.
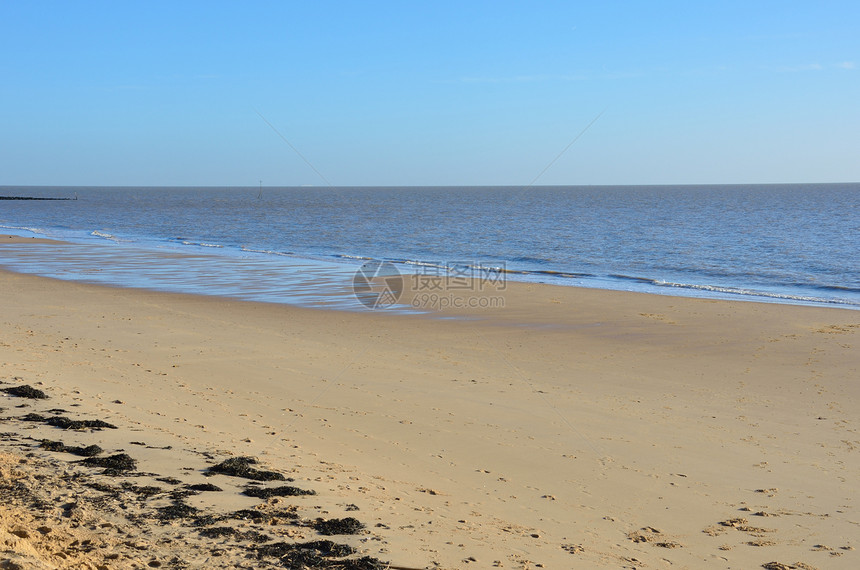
(774, 243)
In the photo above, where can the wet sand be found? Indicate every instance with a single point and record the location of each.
(15, 240)
(572, 428)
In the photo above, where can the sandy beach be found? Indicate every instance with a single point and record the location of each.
(571, 428)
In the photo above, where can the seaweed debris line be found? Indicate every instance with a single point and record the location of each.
(61, 511)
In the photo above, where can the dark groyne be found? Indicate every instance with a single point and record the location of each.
(32, 198)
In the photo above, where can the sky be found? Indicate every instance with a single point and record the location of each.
(431, 93)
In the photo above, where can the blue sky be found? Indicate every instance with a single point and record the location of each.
(441, 93)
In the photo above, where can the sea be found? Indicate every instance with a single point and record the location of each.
(778, 243)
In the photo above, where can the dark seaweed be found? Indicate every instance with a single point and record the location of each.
(317, 547)
(144, 491)
(253, 536)
(300, 559)
(181, 494)
(169, 480)
(318, 555)
(25, 391)
(248, 515)
(59, 446)
(218, 532)
(348, 525)
(113, 465)
(103, 488)
(222, 531)
(205, 487)
(207, 520)
(363, 563)
(66, 423)
(177, 510)
(282, 491)
(241, 467)
(262, 516)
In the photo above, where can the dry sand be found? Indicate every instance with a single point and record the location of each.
(572, 428)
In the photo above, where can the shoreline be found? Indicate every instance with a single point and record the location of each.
(457, 304)
(556, 430)
(256, 275)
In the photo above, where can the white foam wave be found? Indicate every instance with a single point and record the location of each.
(201, 244)
(425, 264)
(753, 293)
(267, 252)
(25, 228)
(105, 235)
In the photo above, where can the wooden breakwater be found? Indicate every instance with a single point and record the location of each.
(33, 198)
